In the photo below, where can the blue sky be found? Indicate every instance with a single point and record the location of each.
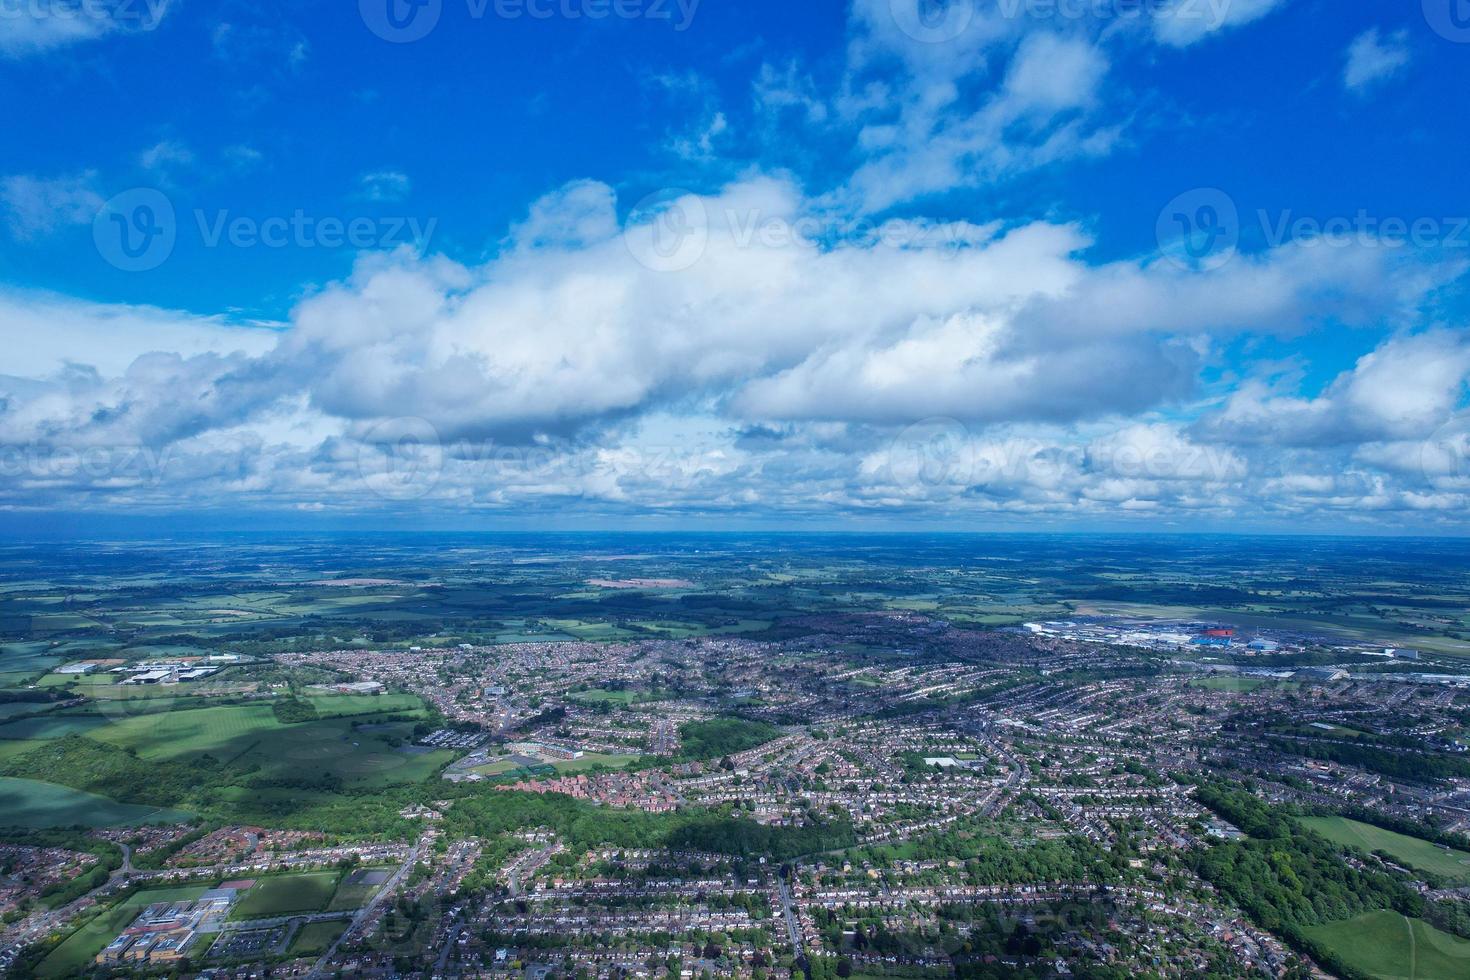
(985, 263)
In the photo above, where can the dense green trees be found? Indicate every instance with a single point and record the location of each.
(110, 771)
(1423, 767)
(700, 740)
(1287, 878)
(580, 825)
(292, 710)
(745, 838)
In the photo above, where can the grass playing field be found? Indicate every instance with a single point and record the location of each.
(315, 938)
(358, 888)
(592, 760)
(34, 805)
(287, 894)
(1389, 946)
(1416, 853)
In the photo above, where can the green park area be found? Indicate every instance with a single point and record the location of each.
(723, 736)
(598, 696)
(288, 895)
(246, 761)
(593, 760)
(1452, 865)
(315, 938)
(1388, 946)
(357, 888)
(510, 766)
(33, 804)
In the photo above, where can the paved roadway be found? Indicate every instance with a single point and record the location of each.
(793, 930)
(320, 970)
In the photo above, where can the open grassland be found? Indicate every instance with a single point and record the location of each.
(1389, 946)
(287, 894)
(18, 709)
(346, 705)
(1421, 854)
(73, 957)
(357, 888)
(51, 726)
(193, 732)
(252, 736)
(599, 696)
(592, 760)
(335, 748)
(243, 752)
(315, 938)
(33, 804)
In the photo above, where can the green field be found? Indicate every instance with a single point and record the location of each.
(35, 805)
(1389, 946)
(500, 767)
(1416, 853)
(251, 735)
(357, 889)
(51, 726)
(192, 732)
(608, 697)
(592, 760)
(315, 938)
(343, 705)
(723, 736)
(287, 894)
(17, 709)
(76, 952)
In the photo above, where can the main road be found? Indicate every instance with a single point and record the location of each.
(320, 970)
